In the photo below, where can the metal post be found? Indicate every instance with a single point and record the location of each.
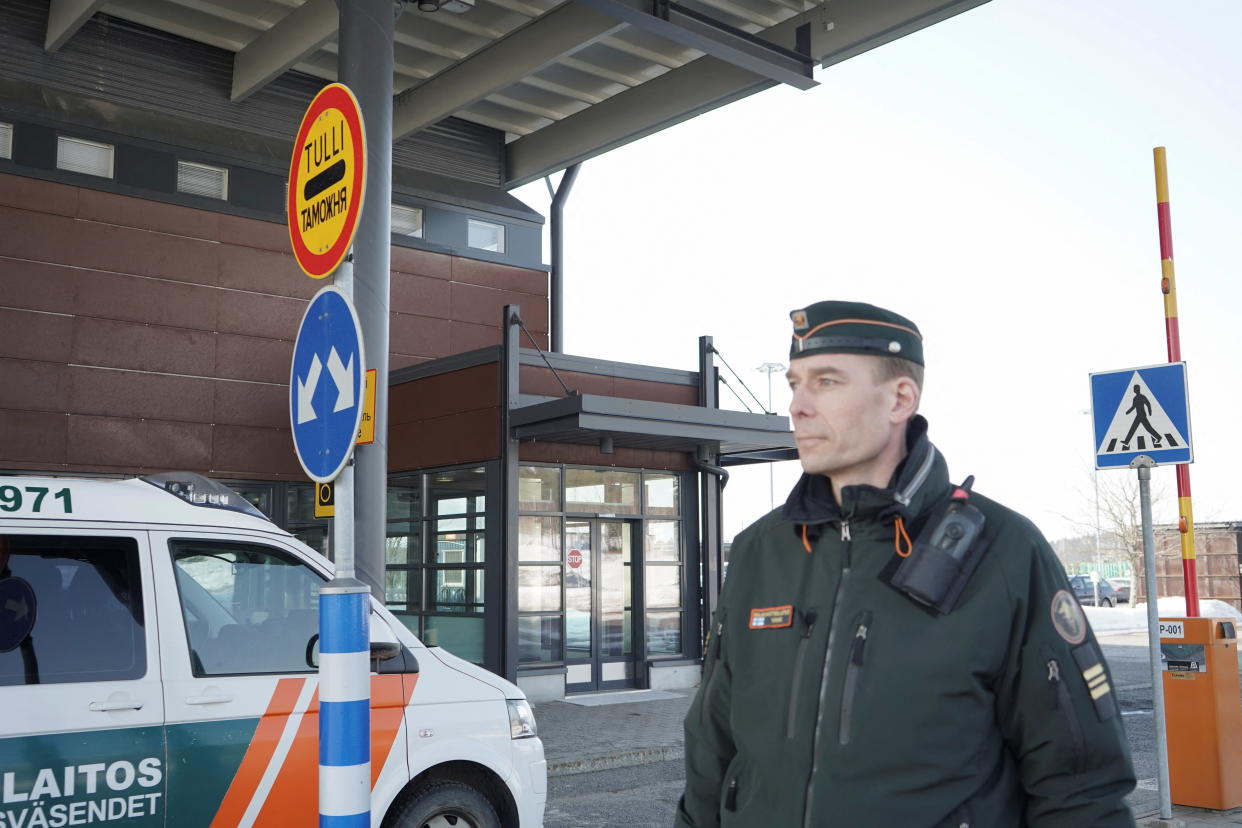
(557, 232)
(1153, 634)
(510, 372)
(771, 368)
(344, 660)
(1098, 564)
(1172, 332)
(709, 486)
(366, 67)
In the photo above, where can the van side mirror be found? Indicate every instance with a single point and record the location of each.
(380, 651)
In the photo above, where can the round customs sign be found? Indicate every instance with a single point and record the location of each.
(326, 178)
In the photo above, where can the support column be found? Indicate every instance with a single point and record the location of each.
(509, 373)
(557, 286)
(366, 66)
(710, 489)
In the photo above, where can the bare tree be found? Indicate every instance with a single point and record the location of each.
(1120, 520)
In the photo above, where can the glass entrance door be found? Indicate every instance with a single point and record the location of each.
(599, 644)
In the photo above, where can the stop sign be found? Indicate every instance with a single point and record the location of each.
(575, 558)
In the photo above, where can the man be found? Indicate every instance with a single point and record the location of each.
(839, 689)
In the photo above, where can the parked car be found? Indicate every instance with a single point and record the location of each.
(1084, 591)
(1122, 585)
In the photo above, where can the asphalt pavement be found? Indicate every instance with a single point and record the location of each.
(615, 759)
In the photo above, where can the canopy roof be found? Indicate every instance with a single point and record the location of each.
(564, 81)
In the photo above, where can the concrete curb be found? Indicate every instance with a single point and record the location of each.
(608, 761)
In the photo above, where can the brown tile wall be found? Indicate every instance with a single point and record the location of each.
(136, 335)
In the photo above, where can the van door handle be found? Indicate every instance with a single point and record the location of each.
(214, 698)
(116, 704)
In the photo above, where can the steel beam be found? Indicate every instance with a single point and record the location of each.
(840, 30)
(64, 18)
(300, 34)
(560, 32)
(694, 30)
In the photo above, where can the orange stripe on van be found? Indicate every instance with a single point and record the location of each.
(294, 798)
(259, 754)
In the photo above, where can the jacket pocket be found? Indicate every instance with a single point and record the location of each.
(808, 627)
(1064, 705)
(853, 670)
(960, 818)
(731, 788)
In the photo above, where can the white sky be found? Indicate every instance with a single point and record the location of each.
(990, 177)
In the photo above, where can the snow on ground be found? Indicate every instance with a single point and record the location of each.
(1134, 619)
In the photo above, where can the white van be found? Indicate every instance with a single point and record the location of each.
(157, 643)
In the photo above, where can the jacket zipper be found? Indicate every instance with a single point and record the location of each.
(851, 677)
(823, 677)
(1061, 698)
(808, 626)
(731, 795)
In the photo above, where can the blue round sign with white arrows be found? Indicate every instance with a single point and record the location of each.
(326, 385)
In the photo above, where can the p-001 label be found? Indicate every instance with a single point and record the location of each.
(1172, 629)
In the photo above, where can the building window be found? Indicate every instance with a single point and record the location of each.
(82, 156)
(407, 221)
(485, 235)
(601, 492)
(202, 180)
(6, 140)
(435, 552)
(539, 489)
(552, 620)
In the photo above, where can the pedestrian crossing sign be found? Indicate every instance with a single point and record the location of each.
(1141, 411)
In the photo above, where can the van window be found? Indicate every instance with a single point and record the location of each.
(247, 608)
(70, 610)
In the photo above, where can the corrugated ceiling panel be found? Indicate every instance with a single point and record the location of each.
(130, 65)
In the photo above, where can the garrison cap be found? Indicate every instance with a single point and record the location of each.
(834, 327)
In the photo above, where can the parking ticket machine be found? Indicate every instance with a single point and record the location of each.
(1203, 711)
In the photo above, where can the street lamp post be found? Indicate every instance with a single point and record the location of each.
(1095, 474)
(771, 368)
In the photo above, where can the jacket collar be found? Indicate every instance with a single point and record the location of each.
(920, 479)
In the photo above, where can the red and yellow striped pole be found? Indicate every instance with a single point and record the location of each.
(1168, 286)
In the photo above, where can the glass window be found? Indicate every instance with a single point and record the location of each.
(247, 608)
(401, 591)
(259, 495)
(82, 156)
(485, 235)
(455, 590)
(72, 610)
(539, 638)
(663, 633)
(407, 221)
(457, 492)
(663, 586)
(661, 491)
(202, 180)
(461, 635)
(403, 546)
(6, 140)
(606, 492)
(539, 588)
(663, 542)
(405, 499)
(539, 538)
(539, 489)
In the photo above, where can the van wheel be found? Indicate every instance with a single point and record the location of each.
(446, 805)
(1108, 602)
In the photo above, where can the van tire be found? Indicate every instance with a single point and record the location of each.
(446, 805)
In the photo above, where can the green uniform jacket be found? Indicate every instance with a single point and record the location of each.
(830, 699)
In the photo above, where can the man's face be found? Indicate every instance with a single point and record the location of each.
(844, 421)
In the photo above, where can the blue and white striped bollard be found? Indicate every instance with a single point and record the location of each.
(344, 705)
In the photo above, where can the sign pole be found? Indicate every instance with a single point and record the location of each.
(327, 183)
(1168, 286)
(1144, 466)
(344, 659)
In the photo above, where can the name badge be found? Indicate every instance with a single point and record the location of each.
(771, 618)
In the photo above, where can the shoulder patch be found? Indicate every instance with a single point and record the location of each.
(1068, 618)
(771, 618)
